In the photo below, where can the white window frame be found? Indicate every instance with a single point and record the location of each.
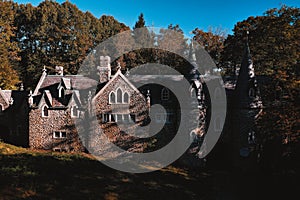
(60, 92)
(128, 99)
(60, 134)
(72, 112)
(43, 114)
(109, 97)
(117, 96)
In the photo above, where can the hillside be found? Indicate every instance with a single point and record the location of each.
(26, 174)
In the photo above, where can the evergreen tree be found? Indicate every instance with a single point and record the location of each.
(140, 23)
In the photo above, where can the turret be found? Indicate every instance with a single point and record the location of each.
(247, 92)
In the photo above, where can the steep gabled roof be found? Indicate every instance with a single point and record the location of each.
(66, 83)
(5, 97)
(78, 82)
(246, 81)
(118, 74)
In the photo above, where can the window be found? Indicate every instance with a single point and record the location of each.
(119, 118)
(112, 98)
(59, 134)
(112, 118)
(126, 97)
(61, 92)
(1, 108)
(126, 118)
(251, 93)
(74, 111)
(193, 93)
(165, 94)
(45, 111)
(119, 96)
(105, 118)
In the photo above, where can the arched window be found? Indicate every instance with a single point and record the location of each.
(74, 111)
(251, 93)
(45, 111)
(193, 93)
(126, 97)
(112, 97)
(165, 94)
(119, 96)
(61, 92)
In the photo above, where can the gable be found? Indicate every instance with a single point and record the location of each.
(119, 81)
(3, 100)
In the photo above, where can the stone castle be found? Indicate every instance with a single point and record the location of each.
(46, 118)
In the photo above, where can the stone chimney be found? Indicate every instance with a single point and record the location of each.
(148, 100)
(104, 70)
(30, 99)
(59, 70)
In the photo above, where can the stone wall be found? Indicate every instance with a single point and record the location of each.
(41, 131)
(136, 107)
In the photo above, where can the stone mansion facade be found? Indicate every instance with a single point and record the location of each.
(46, 118)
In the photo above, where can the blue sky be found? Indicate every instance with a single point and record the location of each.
(188, 14)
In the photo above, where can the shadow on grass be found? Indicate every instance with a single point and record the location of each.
(74, 177)
(45, 175)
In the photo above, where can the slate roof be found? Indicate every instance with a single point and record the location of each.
(47, 88)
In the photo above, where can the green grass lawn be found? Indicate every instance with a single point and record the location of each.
(44, 175)
(26, 174)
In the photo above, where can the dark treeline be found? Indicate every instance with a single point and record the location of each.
(48, 35)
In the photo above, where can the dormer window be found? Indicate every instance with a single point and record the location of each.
(61, 92)
(45, 111)
(165, 94)
(74, 111)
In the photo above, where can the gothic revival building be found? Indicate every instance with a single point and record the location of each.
(50, 116)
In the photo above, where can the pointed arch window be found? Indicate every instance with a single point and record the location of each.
(61, 92)
(45, 111)
(74, 111)
(193, 93)
(112, 98)
(126, 98)
(251, 93)
(119, 96)
(165, 94)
